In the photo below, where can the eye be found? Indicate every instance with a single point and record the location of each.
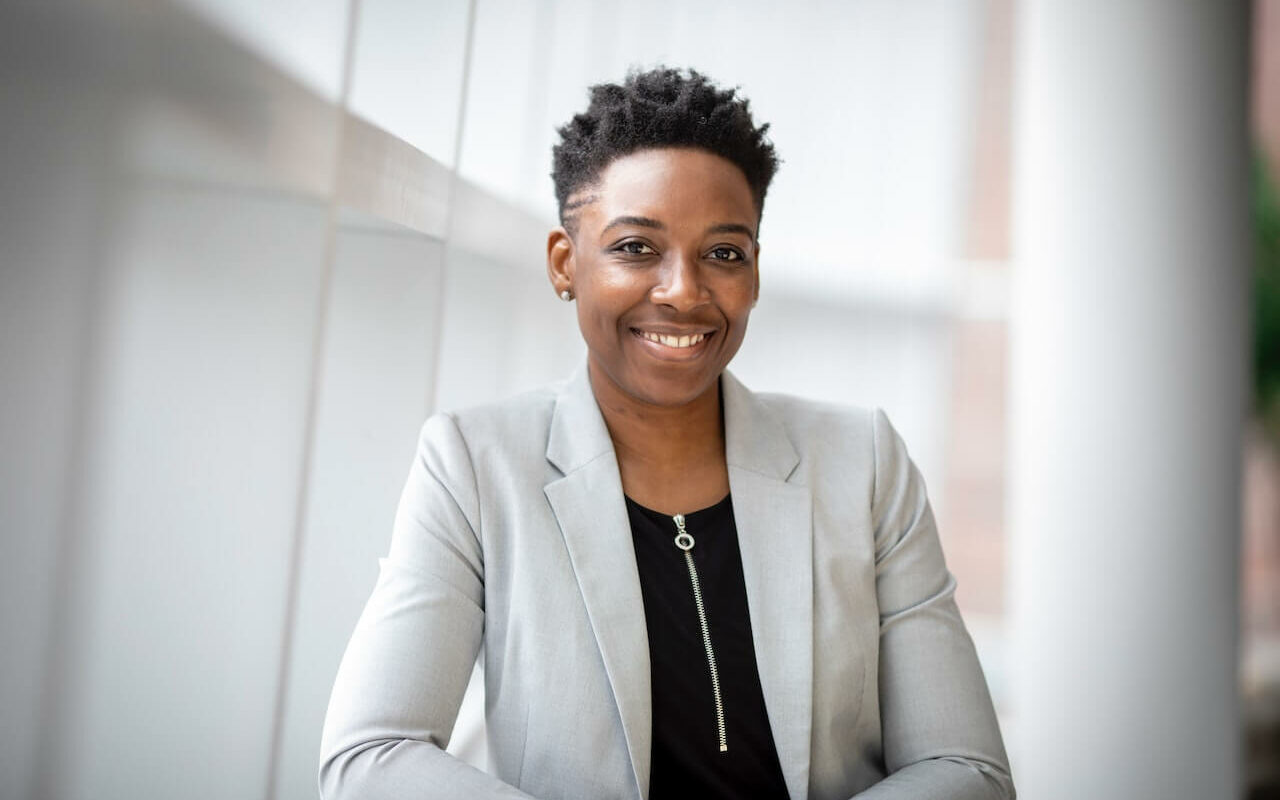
(726, 254)
(635, 247)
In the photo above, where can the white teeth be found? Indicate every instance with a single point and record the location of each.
(674, 341)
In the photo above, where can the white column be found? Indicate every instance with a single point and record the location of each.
(1129, 360)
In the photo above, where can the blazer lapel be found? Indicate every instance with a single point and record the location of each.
(774, 520)
(775, 535)
(589, 506)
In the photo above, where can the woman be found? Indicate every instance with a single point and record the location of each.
(682, 588)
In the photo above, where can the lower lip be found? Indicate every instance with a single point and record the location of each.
(667, 353)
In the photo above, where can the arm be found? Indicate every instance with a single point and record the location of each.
(397, 693)
(940, 734)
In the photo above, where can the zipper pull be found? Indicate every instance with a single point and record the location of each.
(683, 540)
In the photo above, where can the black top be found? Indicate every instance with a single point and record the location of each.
(687, 759)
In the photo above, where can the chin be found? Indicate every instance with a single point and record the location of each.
(669, 392)
(665, 385)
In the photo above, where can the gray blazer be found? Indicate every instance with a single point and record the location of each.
(512, 533)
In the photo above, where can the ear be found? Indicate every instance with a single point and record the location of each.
(560, 258)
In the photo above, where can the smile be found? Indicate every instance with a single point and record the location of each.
(672, 341)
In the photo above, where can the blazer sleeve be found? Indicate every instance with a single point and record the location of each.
(940, 735)
(401, 681)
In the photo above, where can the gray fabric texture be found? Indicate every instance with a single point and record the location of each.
(512, 532)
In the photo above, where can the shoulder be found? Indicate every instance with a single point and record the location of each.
(512, 425)
(814, 426)
(836, 438)
(852, 454)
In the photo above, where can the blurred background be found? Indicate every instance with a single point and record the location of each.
(246, 247)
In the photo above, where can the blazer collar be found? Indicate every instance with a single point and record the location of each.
(775, 537)
(754, 438)
(578, 432)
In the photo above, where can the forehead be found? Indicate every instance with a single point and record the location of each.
(673, 185)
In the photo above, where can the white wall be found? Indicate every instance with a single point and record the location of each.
(377, 356)
(191, 476)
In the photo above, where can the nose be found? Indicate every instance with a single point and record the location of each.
(680, 285)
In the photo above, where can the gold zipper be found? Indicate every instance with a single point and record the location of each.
(685, 542)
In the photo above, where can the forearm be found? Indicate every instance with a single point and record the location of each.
(406, 769)
(397, 692)
(396, 696)
(940, 734)
(950, 778)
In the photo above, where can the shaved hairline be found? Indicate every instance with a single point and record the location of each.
(569, 216)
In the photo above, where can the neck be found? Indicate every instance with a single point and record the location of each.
(670, 457)
(660, 433)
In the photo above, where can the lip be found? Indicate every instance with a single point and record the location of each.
(668, 353)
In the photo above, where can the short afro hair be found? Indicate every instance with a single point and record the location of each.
(662, 107)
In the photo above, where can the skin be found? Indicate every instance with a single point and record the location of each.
(665, 242)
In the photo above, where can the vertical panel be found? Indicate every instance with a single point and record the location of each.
(159, 320)
(506, 146)
(51, 192)
(504, 331)
(1128, 368)
(191, 483)
(379, 356)
(407, 73)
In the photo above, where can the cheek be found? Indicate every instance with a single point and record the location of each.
(736, 299)
(598, 319)
(607, 296)
(738, 314)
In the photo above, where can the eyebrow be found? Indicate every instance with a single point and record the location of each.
(647, 222)
(644, 222)
(732, 227)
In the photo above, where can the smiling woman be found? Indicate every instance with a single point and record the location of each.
(664, 267)
(682, 588)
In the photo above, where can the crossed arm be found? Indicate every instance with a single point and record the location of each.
(402, 679)
(940, 734)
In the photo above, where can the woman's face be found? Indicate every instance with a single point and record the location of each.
(663, 267)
